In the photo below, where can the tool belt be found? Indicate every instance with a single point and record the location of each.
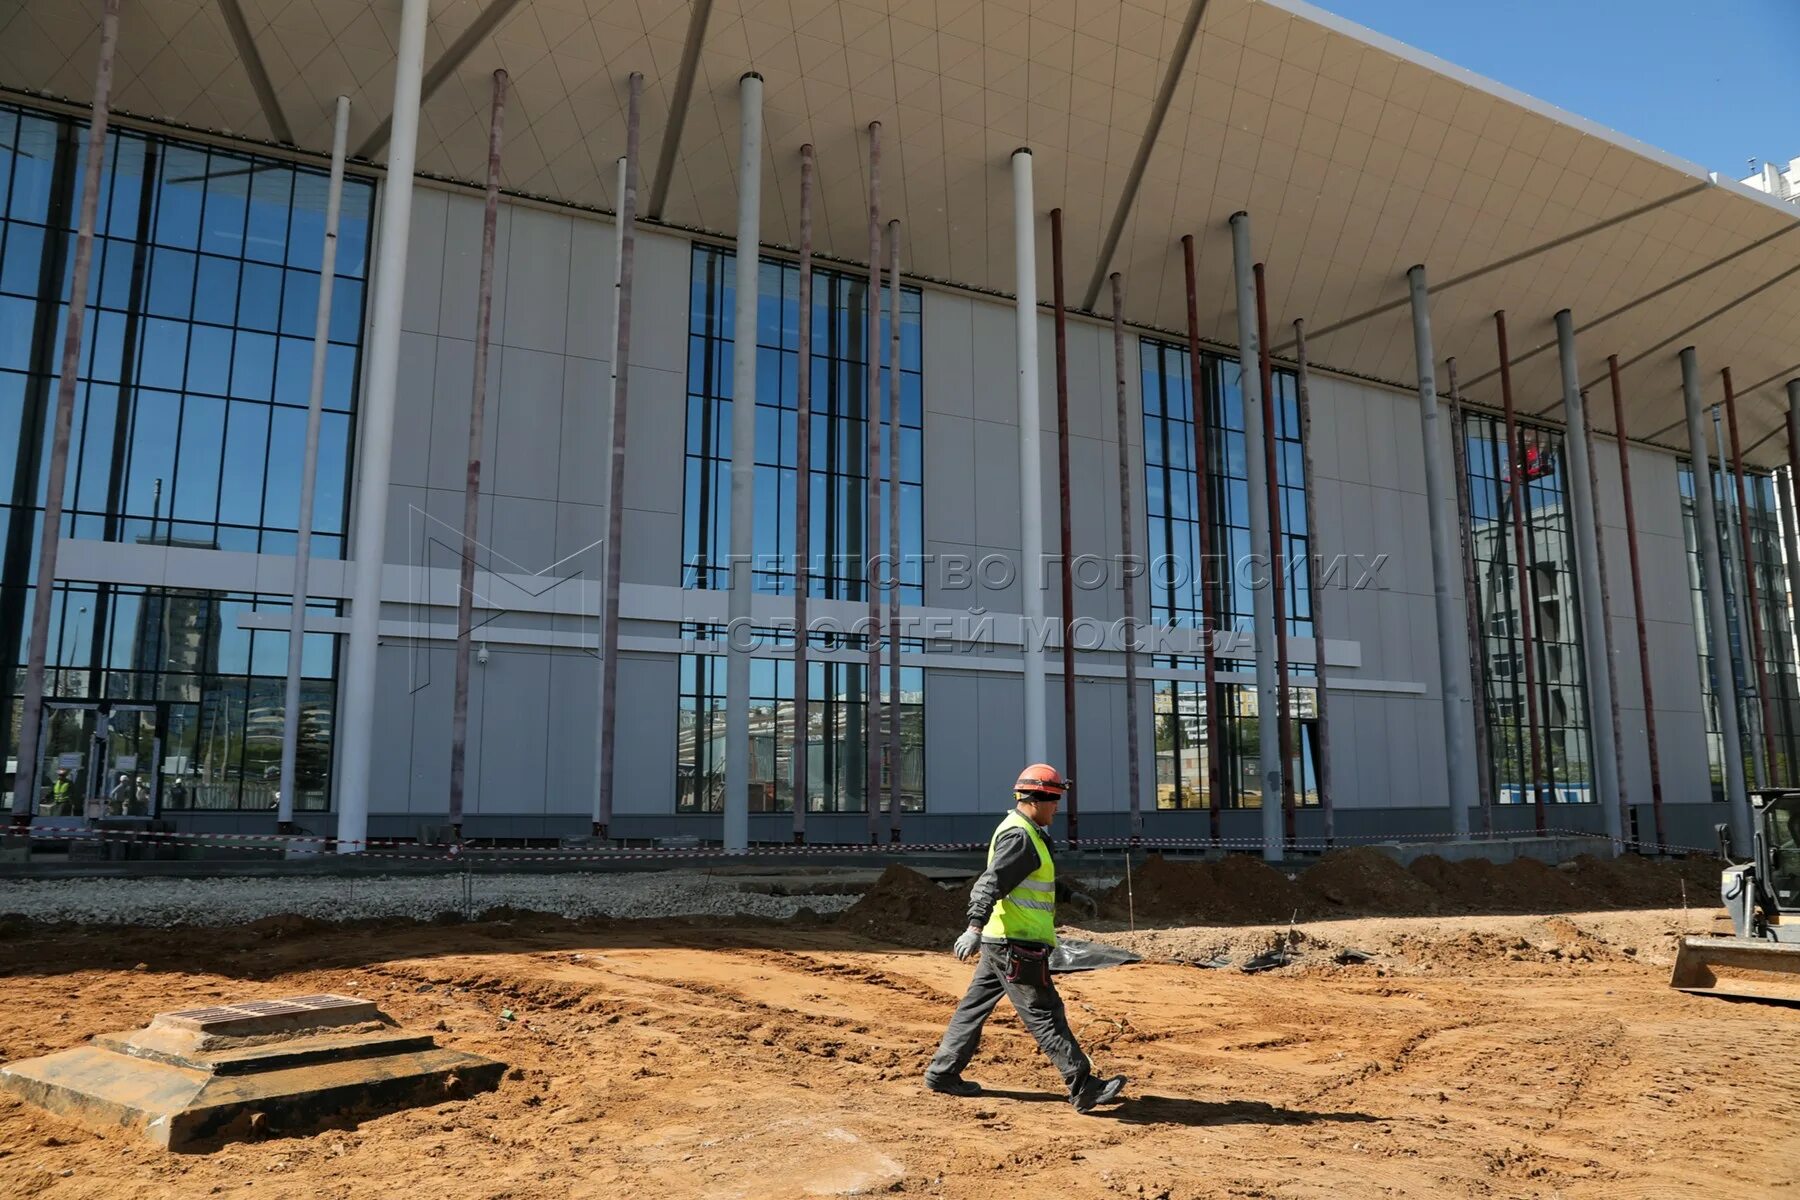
(1028, 965)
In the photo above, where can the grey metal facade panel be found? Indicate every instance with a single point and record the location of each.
(524, 459)
(536, 282)
(647, 749)
(425, 261)
(459, 285)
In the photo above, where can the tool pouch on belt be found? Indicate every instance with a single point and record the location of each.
(1028, 965)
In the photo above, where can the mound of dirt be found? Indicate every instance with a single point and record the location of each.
(1367, 880)
(1628, 881)
(907, 907)
(1237, 888)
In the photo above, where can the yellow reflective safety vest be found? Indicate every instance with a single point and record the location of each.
(1028, 912)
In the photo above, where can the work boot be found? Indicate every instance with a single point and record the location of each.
(1096, 1092)
(952, 1085)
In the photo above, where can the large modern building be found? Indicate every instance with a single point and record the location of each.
(1267, 130)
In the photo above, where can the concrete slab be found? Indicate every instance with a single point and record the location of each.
(1501, 850)
(197, 1078)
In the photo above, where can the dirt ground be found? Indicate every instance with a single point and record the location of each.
(1471, 1056)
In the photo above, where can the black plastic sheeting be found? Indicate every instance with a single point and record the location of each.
(1071, 956)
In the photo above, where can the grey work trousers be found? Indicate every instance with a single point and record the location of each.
(1040, 1007)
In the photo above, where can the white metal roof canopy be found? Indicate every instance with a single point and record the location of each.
(1356, 156)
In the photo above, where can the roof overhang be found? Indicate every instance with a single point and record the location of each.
(1355, 156)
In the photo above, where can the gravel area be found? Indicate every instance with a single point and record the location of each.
(163, 902)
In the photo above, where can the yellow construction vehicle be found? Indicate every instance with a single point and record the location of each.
(1762, 960)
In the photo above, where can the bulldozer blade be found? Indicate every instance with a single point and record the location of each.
(1738, 968)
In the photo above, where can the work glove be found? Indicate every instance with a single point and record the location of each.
(1085, 904)
(969, 944)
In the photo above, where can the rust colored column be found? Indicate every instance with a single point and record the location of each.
(1750, 589)
(803, 503)
(1133, 779)
(49, 542)
(893, 509)
(465, 589)
(1278, 573)
(1070, 729)
(872, 507)
(1209, 616)
(1637, 598)
(1484, 749)
(1516, 491)
(1314, 591)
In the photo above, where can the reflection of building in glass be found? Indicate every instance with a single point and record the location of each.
(1779, 665)
(1555, 624)
(1174, 548)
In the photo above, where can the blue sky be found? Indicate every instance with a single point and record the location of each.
(1709, 81)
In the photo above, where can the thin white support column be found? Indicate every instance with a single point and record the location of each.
(1440, 513)
(309, 467)
(1031, 457)
(1594, 639)
(1706, 531)
(1262, 597)
(375, 420)
(739, 637)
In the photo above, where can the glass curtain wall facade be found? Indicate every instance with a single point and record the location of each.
(1562, 703)
(1779, 664)
(840, 541)
(1173, 551)
(190, 405)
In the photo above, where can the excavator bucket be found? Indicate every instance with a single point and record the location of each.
(1738, 968)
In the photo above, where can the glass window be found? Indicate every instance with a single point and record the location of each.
(839, 535)
(1557, 752)
(1172, 525)
(201, 283)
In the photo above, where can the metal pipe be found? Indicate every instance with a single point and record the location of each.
(1209, 615)
(1612, 664)
(803, 506)
(1788, 524)
(1595, 640)
(1517, 492)
(309, 468)
(1133, 778)
(1750, 589)
(603, 647)
(465, 591)
(1271, 769)
(1303, 397)
(1031, 458)
(1070, 728)
(893, 531)
(1484, 750)
(31, 711)
(1734, 599)
(740, 636)
(1637, 599)
(1438, 507)
(624, 283)
(375, 432)
(1278, 559)
(872, 496)
(1706, 532)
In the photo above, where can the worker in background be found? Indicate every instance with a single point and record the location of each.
(62, 793)
(120, 796)
(1012, 924)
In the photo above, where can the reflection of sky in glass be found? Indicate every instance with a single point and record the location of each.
(205, 286)
(839, 444)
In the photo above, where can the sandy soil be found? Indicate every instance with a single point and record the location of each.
(1471, 1057)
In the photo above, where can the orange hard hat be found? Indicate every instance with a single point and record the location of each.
(1042, 778)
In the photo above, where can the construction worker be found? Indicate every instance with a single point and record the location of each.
(1012, 924)
(62, 793)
